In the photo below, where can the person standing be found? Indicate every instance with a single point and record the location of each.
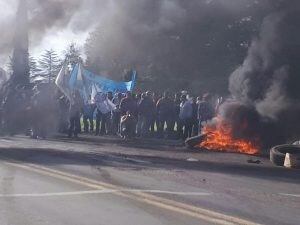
(74, 115)
(154, 121)
(195, 122)
(146, 109)
(176, 121)
(63, 109)
(185, 116)
(128, 104)
(165, 113)
(104, 109)
(116, 114)
(205, 111)
(88, 116)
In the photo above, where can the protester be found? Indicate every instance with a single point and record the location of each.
(195, 122)
(75, 111)
(185, 116)
(63, 111)
(128, 125)
(88, 116)
(110, 96)
(165, 112)
(205, 111)
(116, 114)
(127, 114)
(104, 108)
(128, 104)
(154, 121)
(38, 110)
(146, 110)
(176, 121)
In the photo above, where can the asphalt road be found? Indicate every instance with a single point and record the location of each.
(109, 181)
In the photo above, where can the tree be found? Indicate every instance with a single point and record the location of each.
(20, 57)
(201, 41)
(49, 65)
(72, 54)
(35, 71)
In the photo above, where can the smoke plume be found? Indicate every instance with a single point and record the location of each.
(199, 40)
(268, 80)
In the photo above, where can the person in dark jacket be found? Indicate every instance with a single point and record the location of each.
(146, 109)
(63, 107)
(128, 125)
(116, 114)
(185, 116)
(128, 104)
(205, 111)
(165, 113)
(155, 97)
(176, 120)
(195, 122)
(75, 114)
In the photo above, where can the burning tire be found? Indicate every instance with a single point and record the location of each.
(277, 153)
(194, 141)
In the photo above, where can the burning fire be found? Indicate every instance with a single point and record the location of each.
(220, 138)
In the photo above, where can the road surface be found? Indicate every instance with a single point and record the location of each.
(109, 181)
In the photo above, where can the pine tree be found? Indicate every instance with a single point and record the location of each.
(72, 54)
(35, 71)
(20, 57)
(49, 64)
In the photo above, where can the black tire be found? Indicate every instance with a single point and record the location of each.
(277, 153)
(194, 141)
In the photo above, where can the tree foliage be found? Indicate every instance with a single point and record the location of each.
(49, 65)
(35, 71)
(72, 54)
(198, 51)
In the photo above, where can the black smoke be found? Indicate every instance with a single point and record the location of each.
(192, 44)
(268, 80)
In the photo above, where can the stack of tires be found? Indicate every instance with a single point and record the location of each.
(278, 155)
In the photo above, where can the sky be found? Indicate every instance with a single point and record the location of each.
(42, 35)
(54, 24)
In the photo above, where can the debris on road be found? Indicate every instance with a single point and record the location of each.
(254, 161)
(192, 160)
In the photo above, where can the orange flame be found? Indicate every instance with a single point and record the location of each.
(220, 138)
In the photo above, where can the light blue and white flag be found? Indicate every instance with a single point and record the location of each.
(89, 83)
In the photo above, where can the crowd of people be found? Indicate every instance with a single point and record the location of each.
(129, 115)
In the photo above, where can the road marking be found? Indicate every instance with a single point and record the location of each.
(172, 192)
(291, 195)
(187, 210)
(4, 140)
(58, 194)
(137, 161)
(105, 191)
